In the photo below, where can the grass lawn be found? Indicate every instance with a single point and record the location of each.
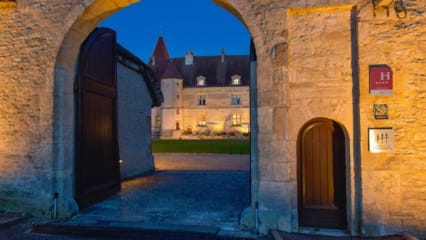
(202, 146)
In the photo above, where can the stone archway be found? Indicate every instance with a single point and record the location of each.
(81, 20)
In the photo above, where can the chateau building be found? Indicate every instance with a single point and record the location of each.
(204, 96)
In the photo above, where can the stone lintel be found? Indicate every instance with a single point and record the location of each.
(306, 11)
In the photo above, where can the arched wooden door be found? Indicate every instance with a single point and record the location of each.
(97, 162)
(322, 178)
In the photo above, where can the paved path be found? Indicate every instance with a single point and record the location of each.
(201, 190)
(205, 161)
(207, 191)
(187, 189)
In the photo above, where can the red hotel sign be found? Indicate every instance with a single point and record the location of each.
(381, 80)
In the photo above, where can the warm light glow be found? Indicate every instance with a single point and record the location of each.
(304, 11)
(7, 5)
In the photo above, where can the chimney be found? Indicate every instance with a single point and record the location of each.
(189, 57)
(222, 58)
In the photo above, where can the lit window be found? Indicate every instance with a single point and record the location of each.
(236, 100)
(201, 81)
(202, 100)
(202, 120)
(236, 119)
(236, 80)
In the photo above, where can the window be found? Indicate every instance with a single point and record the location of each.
(201, 81)
(177, 125)
(177, 111)
(236, 80)
(236, 119)
(202, 120)
(236, 100)
(157, 121)
(202, 100)
(177, 96)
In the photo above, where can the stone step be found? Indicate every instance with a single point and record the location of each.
(142, 231)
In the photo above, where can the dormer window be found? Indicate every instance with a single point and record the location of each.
(201, 81)
(236, 80)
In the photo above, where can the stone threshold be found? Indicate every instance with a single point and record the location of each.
(139, 231)
(331, 234)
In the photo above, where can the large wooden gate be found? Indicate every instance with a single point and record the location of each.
(322, 178)
(97, 161)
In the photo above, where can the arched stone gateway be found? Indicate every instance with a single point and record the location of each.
(85, 17)
(313, 59)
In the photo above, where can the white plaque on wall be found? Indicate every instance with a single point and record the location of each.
(381, 140)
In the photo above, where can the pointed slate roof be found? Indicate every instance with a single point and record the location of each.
(217, 72)
(171, 72)
(160, 51)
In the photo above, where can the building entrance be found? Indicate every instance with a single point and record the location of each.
(322, 178)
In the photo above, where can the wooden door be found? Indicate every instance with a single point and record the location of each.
(322, 178)
(97, 163)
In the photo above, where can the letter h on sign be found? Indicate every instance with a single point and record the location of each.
(385, 76)
(381, 80)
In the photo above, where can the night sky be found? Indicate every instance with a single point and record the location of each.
(197, 25)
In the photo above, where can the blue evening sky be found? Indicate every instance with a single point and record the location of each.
(197, 25)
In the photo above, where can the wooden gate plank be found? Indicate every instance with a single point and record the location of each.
(97, 162)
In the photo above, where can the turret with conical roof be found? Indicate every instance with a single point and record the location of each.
(160, 53)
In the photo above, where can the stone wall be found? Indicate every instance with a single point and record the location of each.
(134, 123)
(218, 109)
(170, 109)
(30, 35)
(38, 55)
(319, 83)
(394, 184)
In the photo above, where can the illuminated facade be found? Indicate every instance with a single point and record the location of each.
(205, 97)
